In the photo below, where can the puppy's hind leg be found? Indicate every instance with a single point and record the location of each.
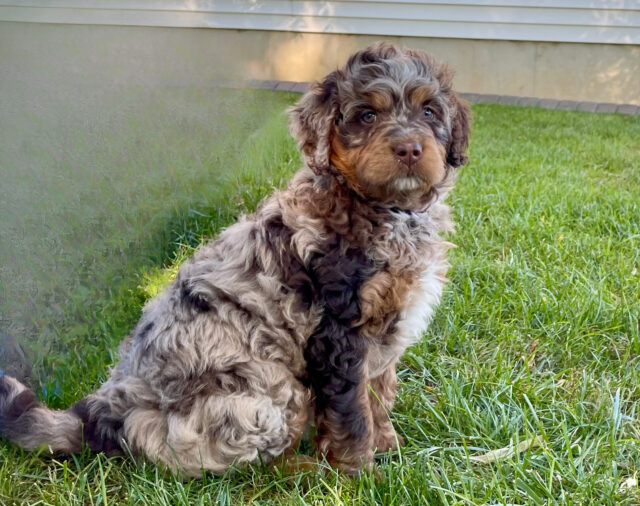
(221, 430)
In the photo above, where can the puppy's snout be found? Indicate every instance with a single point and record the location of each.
(408, 152)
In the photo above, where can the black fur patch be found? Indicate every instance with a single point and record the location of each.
(335, 353)
(144, 331)
(5, 388)
(101, 431)
(192, 299)
(21, 403)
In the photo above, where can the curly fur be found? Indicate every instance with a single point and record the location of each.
(299, 312)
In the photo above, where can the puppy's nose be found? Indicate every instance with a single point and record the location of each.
(409, 152)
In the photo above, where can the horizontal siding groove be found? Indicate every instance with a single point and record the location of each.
(292, 6)
(631, 19)
(622, 5)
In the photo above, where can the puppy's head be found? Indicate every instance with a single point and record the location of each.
(389, 121)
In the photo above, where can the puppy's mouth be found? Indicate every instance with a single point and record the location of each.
(407, 183)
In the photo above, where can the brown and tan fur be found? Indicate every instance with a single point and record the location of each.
(299, 313)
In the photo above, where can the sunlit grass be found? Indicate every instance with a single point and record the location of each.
(537, 335)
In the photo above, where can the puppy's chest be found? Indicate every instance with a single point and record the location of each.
(398, 301)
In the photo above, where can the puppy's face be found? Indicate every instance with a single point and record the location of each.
(391, 134)
(388, 121)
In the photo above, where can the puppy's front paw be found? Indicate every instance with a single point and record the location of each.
(388, 440)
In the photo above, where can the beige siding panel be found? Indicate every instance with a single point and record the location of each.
(612, 21)
(73, 58)
(598, 72)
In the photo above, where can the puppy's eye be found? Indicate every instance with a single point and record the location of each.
(368, 117)
(428, 112)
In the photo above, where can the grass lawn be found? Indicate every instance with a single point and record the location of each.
(534, 350)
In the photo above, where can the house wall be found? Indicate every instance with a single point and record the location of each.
(565, 49)
(591, 21)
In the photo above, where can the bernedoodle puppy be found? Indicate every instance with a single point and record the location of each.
(297, 314)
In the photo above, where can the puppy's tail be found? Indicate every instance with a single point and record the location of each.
(27, 423)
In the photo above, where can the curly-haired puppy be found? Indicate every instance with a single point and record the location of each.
(299, 313)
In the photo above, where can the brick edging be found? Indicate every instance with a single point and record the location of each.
(550, 103)
(482, 98)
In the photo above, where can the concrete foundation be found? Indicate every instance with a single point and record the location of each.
(45, 54)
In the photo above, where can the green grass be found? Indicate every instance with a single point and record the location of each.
(537, 335)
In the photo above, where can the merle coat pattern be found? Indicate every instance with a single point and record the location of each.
(298, 313)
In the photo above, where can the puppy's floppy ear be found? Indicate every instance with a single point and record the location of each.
(460, 129)
(311, 121)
